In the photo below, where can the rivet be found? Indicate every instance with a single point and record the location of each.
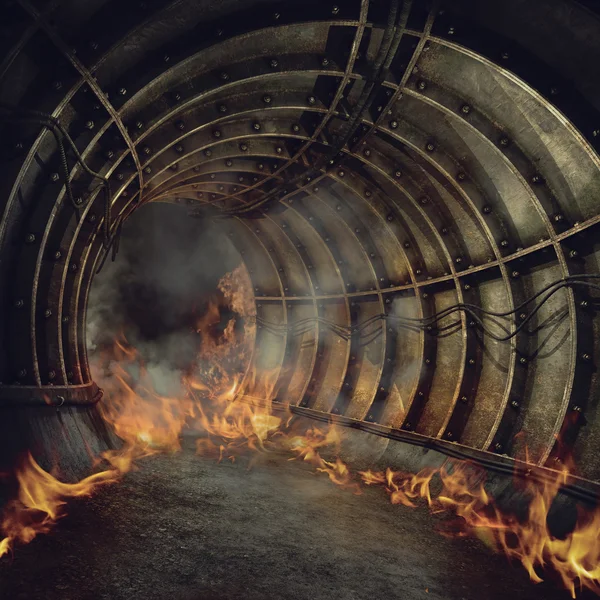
(573, 254)
(498, 447)
(394, 124)
(472, 361)
(505, 55)
(465, 109)
(515, 274)
(449, 435)
(515, 404)
(430, 147)
(51, 375)
(74, 267)
(279, 150)
(30, 238)
(586, 357)
(57, 85)
(217, 133)
(341, 173)
(256, 126)
(22, 373)
(367, 152)
(224, 76)
(504, 243)
(421, 84)
(54, 177)
(536, 179)
(458, 260)
(222, 108)
(424, 200)
(311, 100)
(584, 304)
(47, 313)
(461, 176)
(324, 62)
(19, 303)
(398, 174)
(122, 92)
(486, 210)
(148, 170)
(418, 272)
(207, 152)
(523, 360)
(335, 10)
(228, 163)
(464, 399)
(273, 63)
(577, 408)
(57, 255)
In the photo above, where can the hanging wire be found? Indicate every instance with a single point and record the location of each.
(61, 135)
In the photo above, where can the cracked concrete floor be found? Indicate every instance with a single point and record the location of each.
(185, 528)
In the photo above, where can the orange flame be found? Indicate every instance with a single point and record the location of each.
(234, 411)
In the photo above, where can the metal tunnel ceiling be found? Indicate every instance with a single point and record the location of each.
(472, 177)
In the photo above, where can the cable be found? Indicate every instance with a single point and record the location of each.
(54, 125)
(426, 323)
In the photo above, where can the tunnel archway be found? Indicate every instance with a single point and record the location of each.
(466, 172)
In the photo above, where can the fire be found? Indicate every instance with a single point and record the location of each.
(41, 499)
(229, 406)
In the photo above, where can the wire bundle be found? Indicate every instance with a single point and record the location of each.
(476, 313)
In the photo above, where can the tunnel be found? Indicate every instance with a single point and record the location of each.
(412, 189)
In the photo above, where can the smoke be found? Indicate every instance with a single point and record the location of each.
(166, 273)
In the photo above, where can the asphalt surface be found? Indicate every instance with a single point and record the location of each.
(184, 527)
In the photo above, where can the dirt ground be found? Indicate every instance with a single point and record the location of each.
(186, 528)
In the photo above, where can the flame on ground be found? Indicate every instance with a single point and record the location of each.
(231, 409)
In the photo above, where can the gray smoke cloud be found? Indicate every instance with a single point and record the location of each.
(168, 265)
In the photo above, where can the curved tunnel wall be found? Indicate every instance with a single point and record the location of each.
(473, 178)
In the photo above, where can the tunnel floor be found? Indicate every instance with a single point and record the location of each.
(184, 527)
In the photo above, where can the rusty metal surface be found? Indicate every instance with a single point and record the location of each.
(473, 177)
